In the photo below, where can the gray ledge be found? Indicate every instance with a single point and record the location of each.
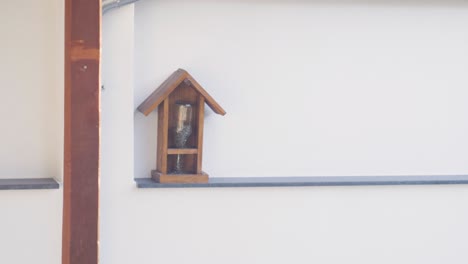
(310, 181)
(28, 184)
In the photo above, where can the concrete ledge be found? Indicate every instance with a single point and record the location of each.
(28, 184)
(310, 181)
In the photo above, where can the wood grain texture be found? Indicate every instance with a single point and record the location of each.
(82, 137)
(201, 119)
(210, 101)
(179, 87)
(171, 83)
(174, 151)
(163, 131)
(162, 92)
(80, 52)
(179, 178)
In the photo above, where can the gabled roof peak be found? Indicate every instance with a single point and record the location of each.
(169, 85)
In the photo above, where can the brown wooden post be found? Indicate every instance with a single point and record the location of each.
(82, 137)
(163, 122)
(201, 119)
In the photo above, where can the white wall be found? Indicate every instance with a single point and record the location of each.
(313, 88)
(31, 135)
(31, 88)
(406, 224)
(31, 227)
(409, 76)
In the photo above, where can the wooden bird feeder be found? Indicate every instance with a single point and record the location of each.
(180, 101)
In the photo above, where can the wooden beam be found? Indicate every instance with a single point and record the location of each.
(82, 137)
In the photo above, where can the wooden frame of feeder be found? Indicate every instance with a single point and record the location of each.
(180, 86)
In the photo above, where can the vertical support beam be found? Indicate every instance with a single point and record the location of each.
(201, 119)
(82, 131)
(163, 136)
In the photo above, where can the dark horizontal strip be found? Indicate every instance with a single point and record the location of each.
(28, 184)
(310, 181)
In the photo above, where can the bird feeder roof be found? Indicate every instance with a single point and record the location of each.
(169, 85)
